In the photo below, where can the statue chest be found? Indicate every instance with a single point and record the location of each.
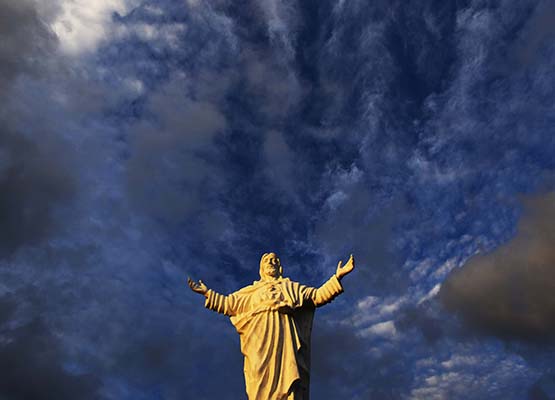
(271, 295)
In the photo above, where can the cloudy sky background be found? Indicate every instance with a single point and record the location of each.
(145, 141)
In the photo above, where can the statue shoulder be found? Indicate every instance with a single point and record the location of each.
(247, 289)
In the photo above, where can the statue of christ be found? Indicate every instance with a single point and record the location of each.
(273, 317)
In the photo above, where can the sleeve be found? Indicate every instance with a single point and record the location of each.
(327, 292)
(220, 303)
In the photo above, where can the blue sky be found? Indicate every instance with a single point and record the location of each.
(142, 142)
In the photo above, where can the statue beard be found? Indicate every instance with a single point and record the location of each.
(275, 275)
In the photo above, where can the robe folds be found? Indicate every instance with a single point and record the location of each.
(274, 322)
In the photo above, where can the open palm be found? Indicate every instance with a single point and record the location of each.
(343, 270)
(198, 287)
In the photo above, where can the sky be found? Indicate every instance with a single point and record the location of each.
(145, 141)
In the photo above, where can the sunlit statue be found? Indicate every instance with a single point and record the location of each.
(273, 317)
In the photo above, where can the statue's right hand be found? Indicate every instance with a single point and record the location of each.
(198, 287)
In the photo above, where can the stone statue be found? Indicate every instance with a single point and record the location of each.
(273, 317)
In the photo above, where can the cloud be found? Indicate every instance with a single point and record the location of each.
(34, 175)
(27, 41)
(344, 365)
(280, 165)
(169, 171)
(352, 223)
(32, 361)
(460, 371)
(509, 292)
(272, 86)
(280, 17)
(425, 319)
(543, 388)
(33, 182)
(81, 25)
(385, 329)
(538, 31)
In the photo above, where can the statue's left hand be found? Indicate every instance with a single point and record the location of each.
(199, 287)
(343, 270)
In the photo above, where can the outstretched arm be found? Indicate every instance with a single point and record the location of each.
(214, 301)
(332, 288)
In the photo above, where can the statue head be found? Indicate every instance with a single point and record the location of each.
(270, 266)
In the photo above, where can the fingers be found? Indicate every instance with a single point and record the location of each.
(192, 284)
(339, 264)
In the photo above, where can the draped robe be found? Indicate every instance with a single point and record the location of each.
(274, 322)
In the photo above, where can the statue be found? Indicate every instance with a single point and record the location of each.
(273, 317)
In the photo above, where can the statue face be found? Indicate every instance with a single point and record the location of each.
(270, 266)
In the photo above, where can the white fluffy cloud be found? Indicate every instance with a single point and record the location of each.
(83, 24)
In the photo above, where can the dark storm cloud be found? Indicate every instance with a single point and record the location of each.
(424, 319)
(344, 365)
(32, 182)
(27, 41)
(509, 292)
(355, 221)
(179, 359)
(271, 85)
(538, 31)
(206, 151)
(544, 388)
(169, 170)
(33, 179)
(174, 171)
(31, 359)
